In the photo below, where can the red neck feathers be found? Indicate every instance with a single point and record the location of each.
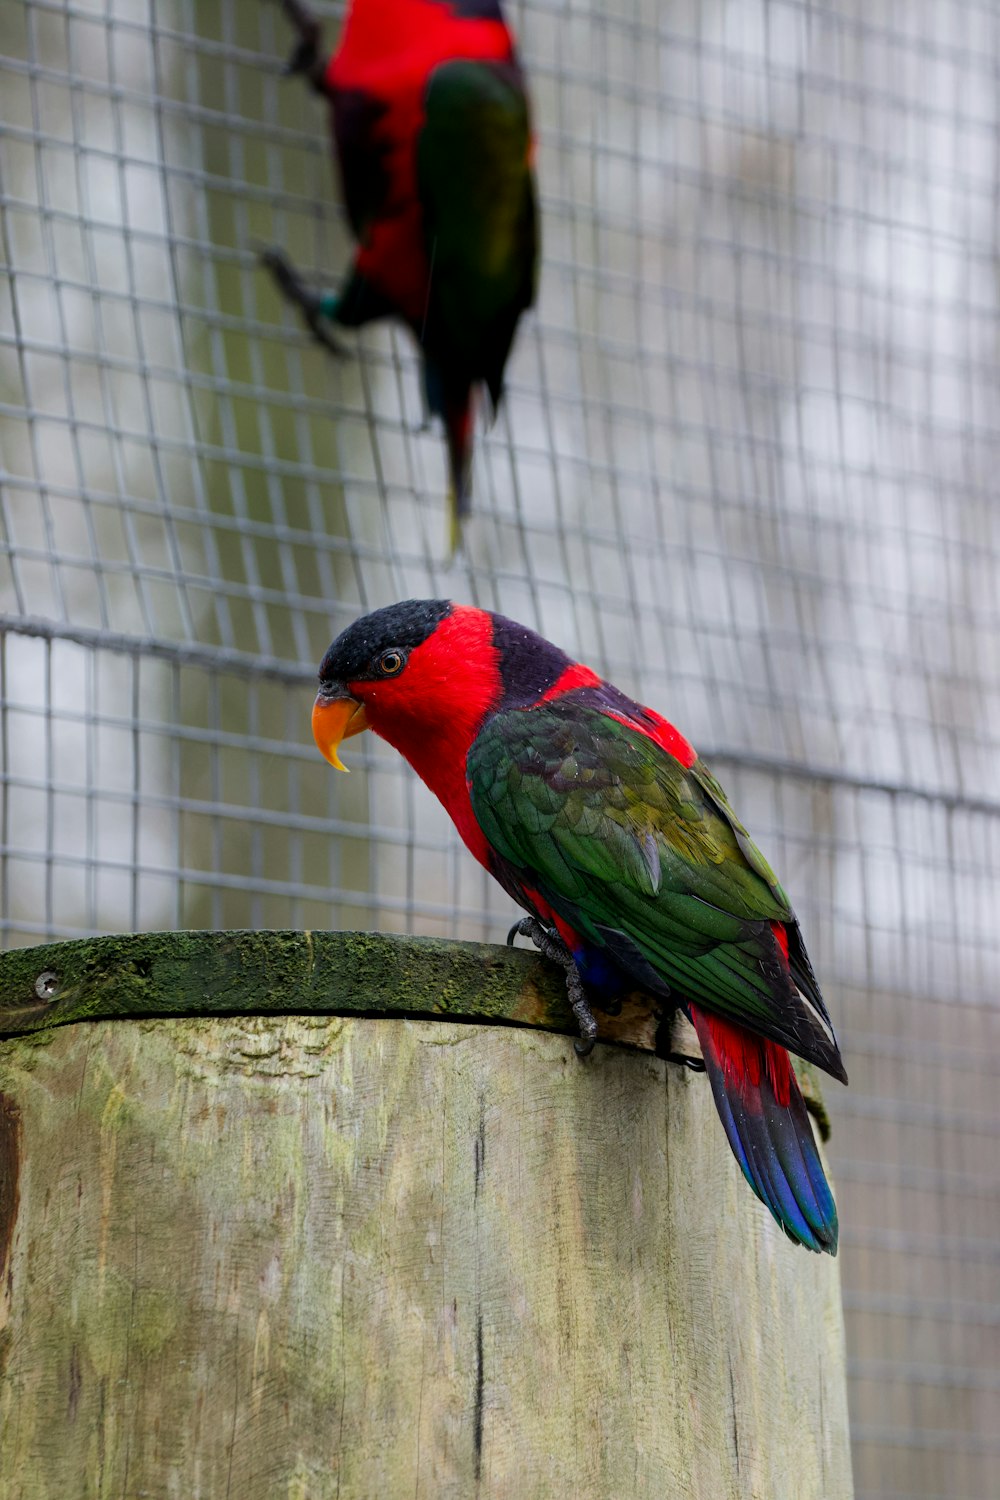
(432, 713)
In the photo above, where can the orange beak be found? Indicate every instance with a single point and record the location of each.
(333, 720)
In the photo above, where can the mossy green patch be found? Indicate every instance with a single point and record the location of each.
(189, 974)
(243, 973)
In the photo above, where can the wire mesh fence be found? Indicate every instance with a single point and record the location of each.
(746, 467)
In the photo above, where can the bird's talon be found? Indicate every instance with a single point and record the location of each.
(302, 58)
(529, 927)
(305, 55)
(321, 336)
(308, 302)
(289, 281)
(551, 946)
(275, 262)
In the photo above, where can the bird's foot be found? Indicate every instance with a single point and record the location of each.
(313, 307)
(584, 1044)
(305, 56)
(549, 944)
(552, 947)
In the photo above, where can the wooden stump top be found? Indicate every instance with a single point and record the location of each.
(264, 1234)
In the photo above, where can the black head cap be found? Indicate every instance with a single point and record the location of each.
(353, 655)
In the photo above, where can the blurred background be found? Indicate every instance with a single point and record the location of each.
(746, 467)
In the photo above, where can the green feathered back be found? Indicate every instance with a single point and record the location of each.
(643, 857)
(480, 215)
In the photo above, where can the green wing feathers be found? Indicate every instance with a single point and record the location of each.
(480, 215)
(645, 859)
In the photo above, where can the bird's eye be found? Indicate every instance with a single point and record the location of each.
(390, 663)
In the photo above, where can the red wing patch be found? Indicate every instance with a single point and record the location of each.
(658, 729)
(572, 939)
(576, 676)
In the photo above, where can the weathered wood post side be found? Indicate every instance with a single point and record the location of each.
(263, 1233)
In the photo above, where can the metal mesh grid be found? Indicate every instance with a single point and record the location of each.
(746, 467)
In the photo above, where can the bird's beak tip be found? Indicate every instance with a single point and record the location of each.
(334, 720)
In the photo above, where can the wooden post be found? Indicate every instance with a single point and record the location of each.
(276, 1246)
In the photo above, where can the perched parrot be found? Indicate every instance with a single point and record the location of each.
(596, 815)
(432, 133)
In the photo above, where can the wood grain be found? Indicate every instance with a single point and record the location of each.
(315, 1257)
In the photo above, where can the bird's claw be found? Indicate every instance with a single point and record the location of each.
(522, 928)
(321, 336)
(281, 269)
(552, 947)
(581, 1009)
(305, 55)
(308, 302)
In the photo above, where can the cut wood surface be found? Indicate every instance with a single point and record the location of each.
(312, 1255)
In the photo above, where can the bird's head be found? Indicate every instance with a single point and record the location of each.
(424, 675)
(414, 672)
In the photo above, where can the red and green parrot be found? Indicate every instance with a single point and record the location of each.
(598, 818)
(433, 138)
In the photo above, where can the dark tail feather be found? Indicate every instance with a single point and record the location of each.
(765, 1118)
(451, 400)
(458, 427)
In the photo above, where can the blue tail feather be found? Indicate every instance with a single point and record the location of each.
(774, 1145)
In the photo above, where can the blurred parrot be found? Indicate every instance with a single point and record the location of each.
(433, 138)
(597, 816)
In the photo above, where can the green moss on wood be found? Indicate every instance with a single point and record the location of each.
(188, 974)
(220, 973)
